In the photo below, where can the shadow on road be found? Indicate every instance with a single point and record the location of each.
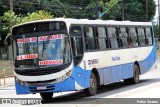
(104, 91)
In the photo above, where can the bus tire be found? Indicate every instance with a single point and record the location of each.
(135, 78)
(46, 95)
(92, 90)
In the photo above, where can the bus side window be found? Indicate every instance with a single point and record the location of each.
(148, 36)
(77, 43)
(89, 38)
(102, 38)
(124, 37)
(133, 37)
(141, 36)
(112, 34)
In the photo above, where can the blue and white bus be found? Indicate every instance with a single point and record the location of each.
(59, 55)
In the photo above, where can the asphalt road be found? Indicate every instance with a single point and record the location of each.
(148, 87)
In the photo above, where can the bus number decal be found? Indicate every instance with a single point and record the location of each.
(92, 61)
(50, 62)
(116, 58)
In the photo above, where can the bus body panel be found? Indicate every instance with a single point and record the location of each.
(80, 77)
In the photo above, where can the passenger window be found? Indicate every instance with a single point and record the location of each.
(89, 38)
(101, 38)
(112, 34)
(133, 37)
(148, 36)
(123, 37)
(141, 36)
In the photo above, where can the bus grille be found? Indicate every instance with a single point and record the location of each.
(35, 90)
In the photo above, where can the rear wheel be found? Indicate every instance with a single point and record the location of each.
(47, 95)
(92, 90)
(135, 78)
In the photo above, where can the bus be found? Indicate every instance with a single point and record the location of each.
(59, 55)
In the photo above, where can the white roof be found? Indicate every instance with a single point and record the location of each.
(70, 21)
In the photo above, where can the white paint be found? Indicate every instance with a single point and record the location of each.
(70, 21)
(77, 86)
(44, 77)
(129, 55)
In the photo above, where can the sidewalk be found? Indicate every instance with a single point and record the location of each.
(9, 82)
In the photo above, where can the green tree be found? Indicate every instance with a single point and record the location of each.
(59, 8)
(39, 15)
(156, 30)
(4, 6)
(136, 10)
(113, 9)
(9, 19)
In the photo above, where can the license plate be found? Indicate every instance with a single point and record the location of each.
(41, 88)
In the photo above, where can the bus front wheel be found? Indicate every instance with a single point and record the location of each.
(46, 95)
(92, 90)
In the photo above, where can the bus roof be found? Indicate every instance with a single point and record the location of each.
(70, 21)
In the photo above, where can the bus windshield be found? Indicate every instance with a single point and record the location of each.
(43, 51)
(38, 50)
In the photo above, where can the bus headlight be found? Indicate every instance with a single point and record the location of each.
(20, 82)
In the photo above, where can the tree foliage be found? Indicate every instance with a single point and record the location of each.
(25, 10)
(136, 10)
(10, 19)
(156, 30)
(39, 15)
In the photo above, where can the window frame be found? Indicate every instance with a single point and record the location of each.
(116, 37)
(151, 31)
(128, 45)
(70, 40)
(129, 38)
(140, 36)
(105, 38)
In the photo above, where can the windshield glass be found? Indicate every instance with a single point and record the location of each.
(53, 50)
(42, 51)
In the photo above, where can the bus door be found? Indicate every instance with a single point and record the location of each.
(77, 43)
